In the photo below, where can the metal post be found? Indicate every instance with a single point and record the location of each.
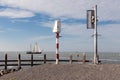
(95, 37)
(57, 47)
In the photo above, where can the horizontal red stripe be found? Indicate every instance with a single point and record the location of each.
(57, 56)
(57, 35)
(57, 45)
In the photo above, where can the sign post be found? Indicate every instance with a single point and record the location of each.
(57, 30)
(92, 24)
(95, 38)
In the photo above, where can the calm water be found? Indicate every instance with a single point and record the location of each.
(109, 58)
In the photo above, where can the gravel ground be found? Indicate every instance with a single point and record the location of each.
(67, 72)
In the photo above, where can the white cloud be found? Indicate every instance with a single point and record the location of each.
(70, 29)
(107, 9)
(43, 38)
(111, 32)
(13, 30)
(48, 24)
(20, 20)
(4, 30)
(55, 8)
(109, 39)
(73, 29)
(12, 13)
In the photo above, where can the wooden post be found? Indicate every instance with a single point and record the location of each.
(5, 61)
(78, 57)
(84, 58)
(99, 62)
(31, 60)
(44, 58)
(19, 61)
(70, 59)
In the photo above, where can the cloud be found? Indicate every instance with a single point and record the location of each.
(14, 13)
(43, 38)
(20, 20)
(3, 30)
(109, 39)
(13, 30)
(75, 28)
(110, 31)
(48, 24)
(108, 22)
(55, 8)
(107, 9)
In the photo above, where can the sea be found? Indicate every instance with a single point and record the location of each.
(104, 57)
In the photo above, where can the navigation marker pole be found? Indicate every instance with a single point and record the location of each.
(57, 47)
(57, 30)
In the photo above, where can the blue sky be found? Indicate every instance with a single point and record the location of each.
(23, 22)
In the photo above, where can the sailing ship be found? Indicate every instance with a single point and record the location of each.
(36, 50)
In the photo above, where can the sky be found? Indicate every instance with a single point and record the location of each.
(24, 22)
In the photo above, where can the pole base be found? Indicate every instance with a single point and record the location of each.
(57, 61)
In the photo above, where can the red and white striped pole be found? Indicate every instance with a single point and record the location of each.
(57, 47)
(57, 30)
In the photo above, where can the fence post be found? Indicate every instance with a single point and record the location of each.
(31, 60)
(84, 58)
(5, 61)
(99, 62)
(44, 58)
(70, 59)
(19, 61)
